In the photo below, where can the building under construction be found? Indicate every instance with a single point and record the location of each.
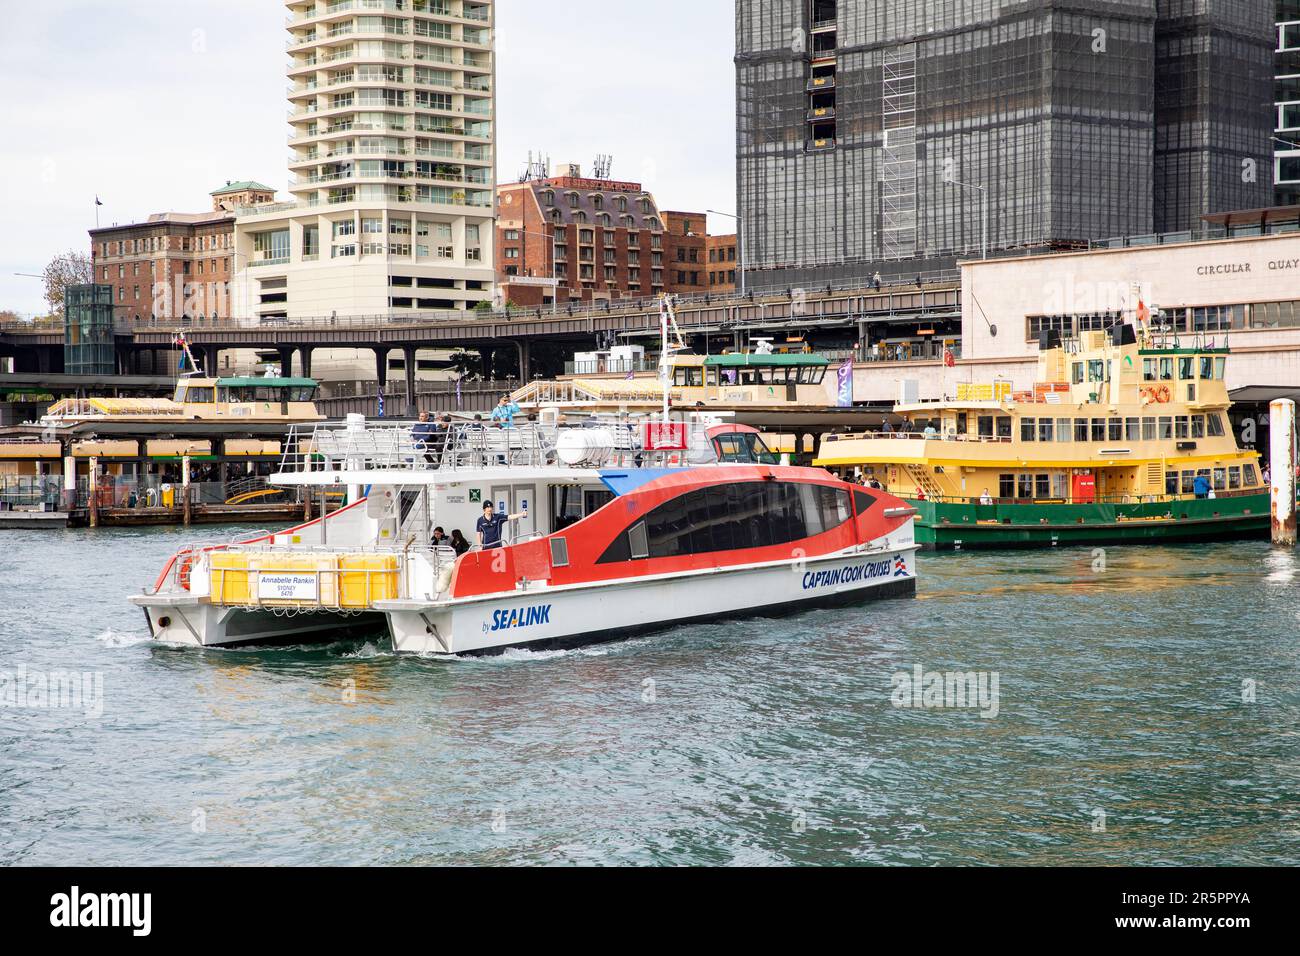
(901, 135)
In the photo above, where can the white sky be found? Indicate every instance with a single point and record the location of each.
(151, 104)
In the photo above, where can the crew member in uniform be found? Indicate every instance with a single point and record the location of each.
(489, 526)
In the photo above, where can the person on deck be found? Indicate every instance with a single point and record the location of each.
(986, 498)
(505, 412)
(489, 526)
(1201, 486)
(425, 436)
(458, 541)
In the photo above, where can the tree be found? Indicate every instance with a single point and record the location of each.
(71, 268)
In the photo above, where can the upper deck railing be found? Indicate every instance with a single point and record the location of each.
(327, 448)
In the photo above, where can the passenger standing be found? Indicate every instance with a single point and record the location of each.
(505, 412)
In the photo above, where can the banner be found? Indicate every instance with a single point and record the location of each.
(660, 436)
(845, 375)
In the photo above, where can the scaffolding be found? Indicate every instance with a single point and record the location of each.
(898, 155)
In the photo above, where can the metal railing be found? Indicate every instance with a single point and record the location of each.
(598, 442)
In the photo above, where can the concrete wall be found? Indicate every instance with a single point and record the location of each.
(1005, 292)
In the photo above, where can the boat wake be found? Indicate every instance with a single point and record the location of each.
(119, 639)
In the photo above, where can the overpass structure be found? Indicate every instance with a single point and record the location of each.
(827, 318)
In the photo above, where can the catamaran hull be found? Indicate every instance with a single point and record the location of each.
(571, 616)
(196, 624)
(554, 617)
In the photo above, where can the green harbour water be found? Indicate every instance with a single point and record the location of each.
(1148, 712)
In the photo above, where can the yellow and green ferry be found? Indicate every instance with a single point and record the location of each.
(1125, 438)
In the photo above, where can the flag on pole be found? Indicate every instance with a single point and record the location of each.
(949, 359)
(459, 405)
(97, 202)
(381, 402)
(1143, 313)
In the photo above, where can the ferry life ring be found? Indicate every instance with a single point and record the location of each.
(1163, 395)
(183, 569)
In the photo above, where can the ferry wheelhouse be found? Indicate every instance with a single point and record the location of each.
(1124, 437)
(616, 527)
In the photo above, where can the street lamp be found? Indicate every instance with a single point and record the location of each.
(740, 245)
(984, 213)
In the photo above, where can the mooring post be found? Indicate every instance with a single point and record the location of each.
(1282, 463)
(185, 490)
(93, 499)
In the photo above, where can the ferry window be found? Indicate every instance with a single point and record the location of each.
(1148, 370)
(1042, 486)
(1248, 476)
(1182, 427)
(1132, 429)
(1081, 429)
(1166, 431)
(818, 374)
(1004, 426)
(691, 376)
(1096, 370)
(1234, 477)
(1198, 426)
(200, 395)
(1166, 370)
(1099, 429)
(1115, 429)
(1185, 367)
(1171, 482)
(711, 375)
(1063, 430)
(1148, 429)
(985, 425)
(1207, 367)
(1220, 479)
(1061, 486)
(1077, 373)
(1214, 425)
(1045, 429)
(1025, 486)
(1006, 486)
(1189, 482)
(961, 423)
(744, 515)
(1028, 428)
(1220, 365)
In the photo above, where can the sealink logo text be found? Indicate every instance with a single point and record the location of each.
(521, 617)
(834, 577)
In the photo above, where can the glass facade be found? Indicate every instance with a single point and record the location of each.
(902, 135)
(88, 330)
(1286, 159)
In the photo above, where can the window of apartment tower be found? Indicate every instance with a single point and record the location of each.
(598, 201)
(573, 200)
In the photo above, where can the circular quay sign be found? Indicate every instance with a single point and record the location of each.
(1247, 267)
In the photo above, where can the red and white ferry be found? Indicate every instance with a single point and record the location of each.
(627, 526)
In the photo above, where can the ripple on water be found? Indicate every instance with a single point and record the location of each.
(1122, 693)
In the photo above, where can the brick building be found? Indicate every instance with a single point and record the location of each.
(575, 239)
(722, 263)
(596, 238)
(174, 264)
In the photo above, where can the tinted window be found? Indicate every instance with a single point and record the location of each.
(734, 517)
